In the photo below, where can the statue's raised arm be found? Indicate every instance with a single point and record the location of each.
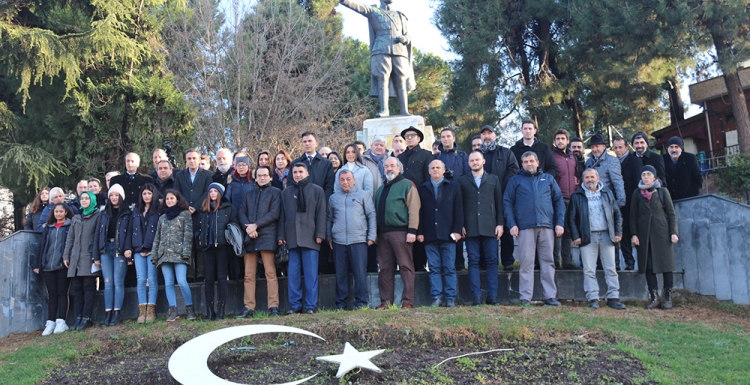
(390, 54)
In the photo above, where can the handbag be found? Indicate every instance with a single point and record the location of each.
(282, 255)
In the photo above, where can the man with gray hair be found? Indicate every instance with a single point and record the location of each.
(377, 152)
(595, 224)
(131, 181)
(157, 156)
(223, 167)
(397, 206)
(534, 206)
(351, 229)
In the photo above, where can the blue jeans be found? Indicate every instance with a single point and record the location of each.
(351, 258)
(114, 268)
(145, 271)
(441, 258)
(178, 270)
(301, 259)
(489, 246)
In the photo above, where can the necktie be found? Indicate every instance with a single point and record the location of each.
(309, 159)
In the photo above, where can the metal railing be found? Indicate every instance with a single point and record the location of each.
(719, 161)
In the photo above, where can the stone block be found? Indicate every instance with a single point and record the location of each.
(737, 245)
(720, 258)
(391, 126)
(702, 241)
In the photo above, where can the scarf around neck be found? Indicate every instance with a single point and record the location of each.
(488, 147)
(172, 212)
(299, 188)
(647, 190)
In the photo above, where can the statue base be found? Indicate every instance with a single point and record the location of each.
(390, 126)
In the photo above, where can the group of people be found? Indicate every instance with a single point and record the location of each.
(370, 210)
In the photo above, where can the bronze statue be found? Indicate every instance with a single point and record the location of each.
(390, 54)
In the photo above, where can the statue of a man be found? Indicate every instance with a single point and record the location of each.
(390, 54)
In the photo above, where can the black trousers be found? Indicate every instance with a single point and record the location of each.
(626, 247)
(215, 267)
(651, 276)
(506, 248)
(84, 291)
(57, 283)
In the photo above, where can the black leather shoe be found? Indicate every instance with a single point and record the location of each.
(220, 310)
(85, 324)
(274, 311)
(477, 301)
(294, 311)
(492, 301)
(107, 318)
(508, 268)
(615, 303)
(77, 324)
(116, 319)
(246, 313)
(450, 302)
(310, 311)
(436, 302)
(210, 313)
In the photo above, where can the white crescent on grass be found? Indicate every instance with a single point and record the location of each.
(189, 363)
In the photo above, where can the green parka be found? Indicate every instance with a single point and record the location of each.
(174, 239)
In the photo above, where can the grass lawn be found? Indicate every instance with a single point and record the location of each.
(701, 341)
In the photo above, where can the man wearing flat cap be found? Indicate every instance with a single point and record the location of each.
(608, 168)
(684, 178)
(649, 158)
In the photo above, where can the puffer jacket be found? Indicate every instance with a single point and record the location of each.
(174, 239)
(79, 247)
(351, 217)
(142, 232)
(533, 201)
(51, 247)
(224, 216)
(237, 189)
(262, 206)
(610, 174)
(362, 177)
(121, 236)
(578, 215)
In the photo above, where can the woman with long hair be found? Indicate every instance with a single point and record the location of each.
(79, 258)
(264, 159)
(654, 224)
(36, 208)
(281, 175)
(362, 175)
(143, 224)
(49, 261)
(216, 214)
(336, 161)
(173, 243)
(112, 235)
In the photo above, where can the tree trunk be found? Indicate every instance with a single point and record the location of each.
(676, 109)
(576, 115)
(739, 109)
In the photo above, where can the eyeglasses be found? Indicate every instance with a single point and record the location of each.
(409, 136)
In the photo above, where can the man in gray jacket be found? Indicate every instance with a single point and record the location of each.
(608, 168)
(351, 228)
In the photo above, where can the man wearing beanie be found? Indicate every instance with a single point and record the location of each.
(640, 144)
(684, 178)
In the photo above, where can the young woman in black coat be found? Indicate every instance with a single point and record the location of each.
(49, 262)
(143, 223)
(216, 214)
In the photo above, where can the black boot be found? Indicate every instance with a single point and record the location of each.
(77, 324)
(667, 304)
(85, 324)
(107, 318)
(190, 313)
(654, 300)
(210, 313)
(220, 310)
(116, 319)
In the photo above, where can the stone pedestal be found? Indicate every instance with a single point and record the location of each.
(393, 125)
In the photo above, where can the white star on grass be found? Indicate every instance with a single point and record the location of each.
(352, 359)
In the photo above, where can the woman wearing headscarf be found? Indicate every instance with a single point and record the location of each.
(653, 221)
(173, 244)
(216, 214)
(79, 258)
(35, 210)
(143, 222)
(109, 252)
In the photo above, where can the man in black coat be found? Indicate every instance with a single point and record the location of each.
(157, 156)
(502, 162)
(631, 174)
(649, 158)
(192, 183)
(416, 161)
(223, 166)
(530, 142)
(319, 168)
(684, 177)
(164, 176)
(131, 181)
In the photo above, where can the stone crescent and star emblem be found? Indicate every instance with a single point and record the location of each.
(189, 363)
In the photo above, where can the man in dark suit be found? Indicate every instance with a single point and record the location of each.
(192, 183)
(684, 177)
(649, 158)
(631, 174)
(319, 168)
(131, 181)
